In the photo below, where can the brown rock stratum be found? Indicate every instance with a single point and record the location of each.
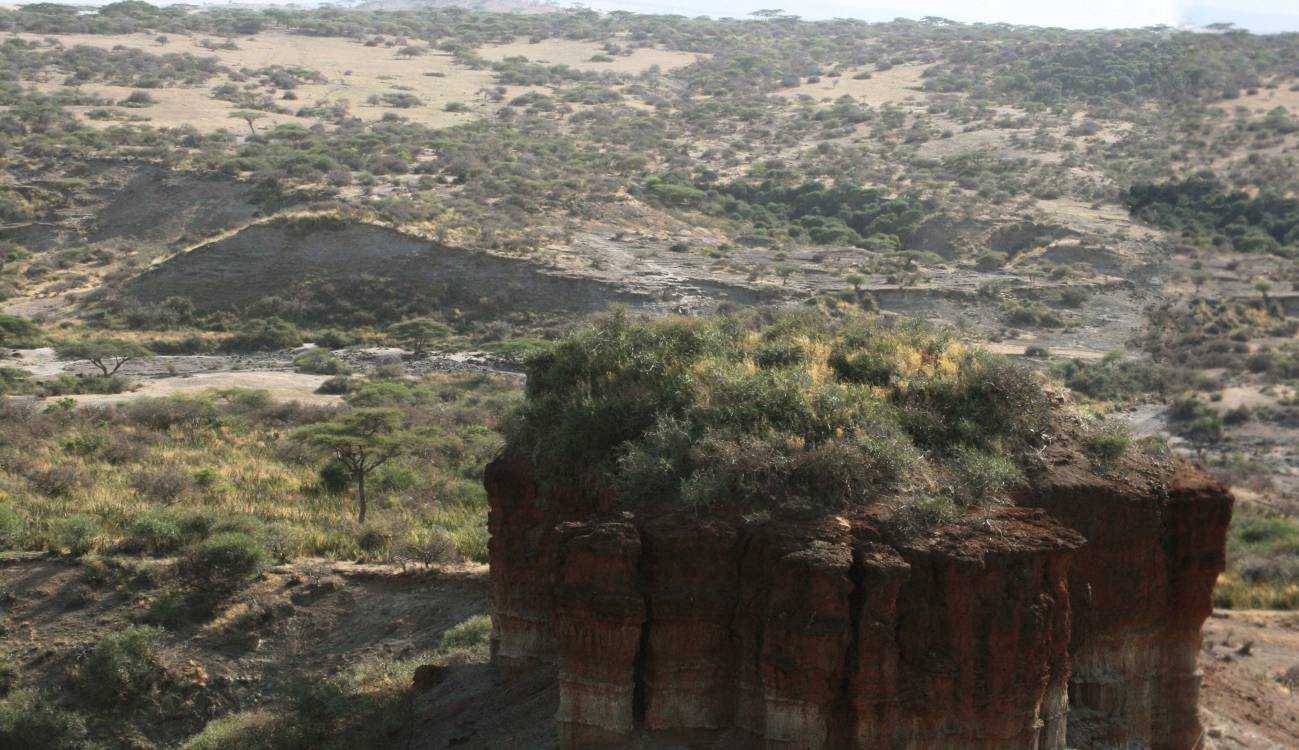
(1069, 620)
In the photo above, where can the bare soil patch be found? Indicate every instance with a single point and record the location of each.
(1245, 704)
(893, 86)
(578, 54)
(354, 72)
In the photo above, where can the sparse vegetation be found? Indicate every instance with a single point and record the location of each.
(799, 412)
(1060, 192)
(79, 482)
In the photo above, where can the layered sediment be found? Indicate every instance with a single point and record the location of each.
(1071, 619)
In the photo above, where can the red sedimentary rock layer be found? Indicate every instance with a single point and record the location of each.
(1071, 619)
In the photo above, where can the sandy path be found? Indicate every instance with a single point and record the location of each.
(282, 386)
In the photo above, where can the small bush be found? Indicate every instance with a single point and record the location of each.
(247, 730)
(282, 541)
(223, 564)
(123, 666)
(335, 477)
(8, 674)
(373, 541)
(78, 534)
(320, 362)
(19, 333)
(339, 385)
(271, 334)
(11, 528)
(59, 480)
(434, 547)
(173, 411)
(194, 525)
(163, 486)
(154, 534)
(920, 514)
(14, 381)
(467, 641)
(30, 720)
(982, 477)
(992, 260)
(1106, 445)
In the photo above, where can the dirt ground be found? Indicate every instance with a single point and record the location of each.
(353, 71)
(578, 54)
(1245, 658)
(321, 617)
(156, 377)
(894, 86)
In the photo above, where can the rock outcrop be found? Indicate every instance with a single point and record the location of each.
(1071, 618)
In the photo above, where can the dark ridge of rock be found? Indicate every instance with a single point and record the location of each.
(1007, 628)
(323, 270)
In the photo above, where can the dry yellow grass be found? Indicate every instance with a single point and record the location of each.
(1267, 99)
(578, 55)
(176, 106)
(893, 86)
(354, 72)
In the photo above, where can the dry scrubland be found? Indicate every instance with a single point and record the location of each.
(1041, 191)
(354, 73)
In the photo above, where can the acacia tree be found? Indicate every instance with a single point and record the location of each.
(248, 116)
(417, 333)
(361, 440)
(104, 352)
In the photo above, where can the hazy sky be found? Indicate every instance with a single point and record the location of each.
(1258, 15)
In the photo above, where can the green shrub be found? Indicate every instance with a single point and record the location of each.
(992, 260)
(271, 334)
(19, 333)
(1118, 379)
(79, 534)
(11, 527)
(123, 666)
(14, 381)
(223, 564)
(320, 362)
(1195, 420)
(31, 720)
(921, 514)
(982, 477)
(194, 525)
(1106, 445)
(339, 385)
(258, 729)
(335, 477)
(154, 534)
(798, 412)
(281, 541)
(8, 674)
(467, 641)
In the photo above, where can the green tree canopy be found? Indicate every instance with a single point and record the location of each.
(361, 440)
(107, 353)
(417, 333)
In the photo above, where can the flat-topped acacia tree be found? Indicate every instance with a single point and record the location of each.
(107, 353)
(418, 333)
(361, 440)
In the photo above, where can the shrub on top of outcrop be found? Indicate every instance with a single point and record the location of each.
(796, 411)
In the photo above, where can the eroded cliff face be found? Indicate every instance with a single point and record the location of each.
(1074, 618)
